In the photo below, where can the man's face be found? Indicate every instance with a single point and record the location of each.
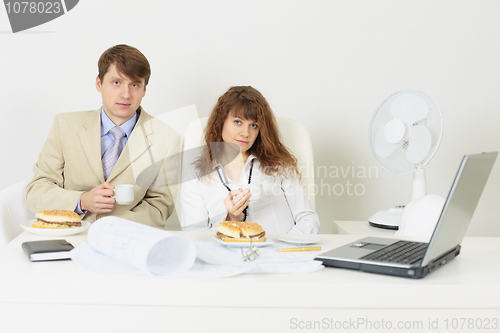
(121, 96)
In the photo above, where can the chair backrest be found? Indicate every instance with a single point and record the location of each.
(13, 211)
(295, 137)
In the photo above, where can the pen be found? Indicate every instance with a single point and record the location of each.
(295, 249)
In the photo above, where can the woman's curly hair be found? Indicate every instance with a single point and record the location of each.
(247, 103)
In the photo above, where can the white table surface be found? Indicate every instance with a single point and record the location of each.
(63, 296)
(360, 228)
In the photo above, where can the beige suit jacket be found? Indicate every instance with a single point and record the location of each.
(70, 164)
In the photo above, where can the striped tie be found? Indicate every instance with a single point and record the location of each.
(111, 155)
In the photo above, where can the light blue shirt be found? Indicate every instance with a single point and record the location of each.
(107, 138)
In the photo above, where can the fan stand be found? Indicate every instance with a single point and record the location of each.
(390, 218)
(387, 219)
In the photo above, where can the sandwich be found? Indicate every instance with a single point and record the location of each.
(57, 219)
(230, 231)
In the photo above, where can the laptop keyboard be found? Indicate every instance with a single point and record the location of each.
(402, 252)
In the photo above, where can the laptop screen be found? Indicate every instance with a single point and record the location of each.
(460, 204)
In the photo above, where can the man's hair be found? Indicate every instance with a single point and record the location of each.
(128, 60)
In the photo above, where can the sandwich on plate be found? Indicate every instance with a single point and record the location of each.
(57, 219)
(230, 231)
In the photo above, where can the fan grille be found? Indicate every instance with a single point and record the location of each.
(405, 105)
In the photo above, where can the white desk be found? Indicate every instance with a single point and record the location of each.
(61, 296)
(360, 228)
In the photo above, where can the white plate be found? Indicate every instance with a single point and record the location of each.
(54, 232)
(299, 239)
(243, 244)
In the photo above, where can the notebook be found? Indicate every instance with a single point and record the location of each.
(44, 250)
(390, 256)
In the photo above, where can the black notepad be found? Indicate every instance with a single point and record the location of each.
(56, 249)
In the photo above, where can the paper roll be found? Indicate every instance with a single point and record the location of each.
(146, 248)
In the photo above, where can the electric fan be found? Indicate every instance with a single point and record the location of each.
(405, 132)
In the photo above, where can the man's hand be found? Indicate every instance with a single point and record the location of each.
(98, 200)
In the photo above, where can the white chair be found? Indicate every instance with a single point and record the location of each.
(13, 211)
(295, 137)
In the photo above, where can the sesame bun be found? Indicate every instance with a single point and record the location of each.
(230, 231)
(229, 228)
(250, 229)
(57, 219)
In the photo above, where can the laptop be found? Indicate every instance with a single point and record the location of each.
(417, 259)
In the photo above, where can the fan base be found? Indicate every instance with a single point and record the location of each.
(384, 226)
(387, 219)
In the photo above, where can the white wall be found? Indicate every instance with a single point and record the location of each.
(326, 63)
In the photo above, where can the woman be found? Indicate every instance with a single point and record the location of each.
(245, 148)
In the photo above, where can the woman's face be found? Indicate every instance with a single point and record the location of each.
(242, 132)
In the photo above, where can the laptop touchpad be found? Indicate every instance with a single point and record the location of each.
(368, 246)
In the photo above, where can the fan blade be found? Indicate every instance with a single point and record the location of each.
(394, 131)
(419, 144)
(409, 108)
(382, 147)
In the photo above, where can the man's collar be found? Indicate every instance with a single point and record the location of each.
(127, 127)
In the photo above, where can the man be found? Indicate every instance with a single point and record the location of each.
(88, 153)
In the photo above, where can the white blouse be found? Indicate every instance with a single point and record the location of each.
(283, 207)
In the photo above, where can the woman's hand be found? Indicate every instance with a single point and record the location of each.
(236, 202)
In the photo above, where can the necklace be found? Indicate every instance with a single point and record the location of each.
(245, 211)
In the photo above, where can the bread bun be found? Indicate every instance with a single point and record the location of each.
(43, 225)
(57, 219)
(250, 229)
(230, 231)
(243, 240)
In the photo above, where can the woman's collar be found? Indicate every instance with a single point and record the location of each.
(217, 165)
(249, 159)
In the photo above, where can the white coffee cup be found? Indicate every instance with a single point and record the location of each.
(255, 190)
(124, 194)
